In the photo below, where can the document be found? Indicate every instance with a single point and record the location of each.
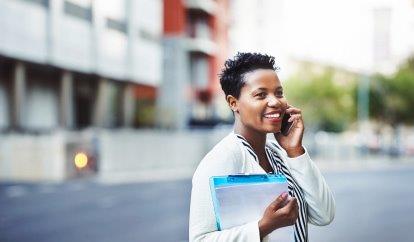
(240, 199)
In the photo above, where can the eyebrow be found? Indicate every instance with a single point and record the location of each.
(265, 89)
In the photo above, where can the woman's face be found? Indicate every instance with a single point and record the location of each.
(261, 104)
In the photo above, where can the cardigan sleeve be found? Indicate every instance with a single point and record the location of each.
(321, 203)
(202, 225)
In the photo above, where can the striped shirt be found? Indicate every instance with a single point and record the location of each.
(279, 166)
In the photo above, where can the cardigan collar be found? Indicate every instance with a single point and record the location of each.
(249, 152)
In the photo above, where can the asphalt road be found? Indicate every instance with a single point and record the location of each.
(371, 206)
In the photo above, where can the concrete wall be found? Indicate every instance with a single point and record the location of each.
(173, 102)
(23, 30)
(145, 154)
(120, 153)
(28, 157)
(160, 153)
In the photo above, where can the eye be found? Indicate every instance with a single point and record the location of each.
(279, 93)
(261, 95)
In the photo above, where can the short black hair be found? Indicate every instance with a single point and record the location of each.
(232, 75)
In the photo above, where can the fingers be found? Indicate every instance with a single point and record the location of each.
(292, 205)
(294, 117)
(293, 110)
(295, 113)
(279, 201)
(291, 210)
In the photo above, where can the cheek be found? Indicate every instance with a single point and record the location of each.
(284, 102)
(251, 111)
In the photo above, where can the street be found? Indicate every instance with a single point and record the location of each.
(371, 206)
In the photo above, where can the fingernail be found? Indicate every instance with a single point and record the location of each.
(284, 195)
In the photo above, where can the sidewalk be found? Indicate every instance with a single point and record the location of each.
(326, 166)
(364, 164)
(172, 174)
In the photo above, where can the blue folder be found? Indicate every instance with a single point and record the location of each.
(246, 197)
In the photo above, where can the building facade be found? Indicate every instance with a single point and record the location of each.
(77, 63)
(195, 47)
(66, 65)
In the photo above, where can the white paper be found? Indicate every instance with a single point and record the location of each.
(241, 204)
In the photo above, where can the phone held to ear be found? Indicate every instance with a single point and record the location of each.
(285, 124)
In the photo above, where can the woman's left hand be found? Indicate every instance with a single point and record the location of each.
(292, 143)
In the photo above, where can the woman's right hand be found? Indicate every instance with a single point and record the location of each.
(278, 215)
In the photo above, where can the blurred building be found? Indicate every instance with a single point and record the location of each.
(66, 65)
(78, 63)
(195, 48)
(70, 64)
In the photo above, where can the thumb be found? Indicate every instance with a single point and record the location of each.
(279, 201)
(292, 203)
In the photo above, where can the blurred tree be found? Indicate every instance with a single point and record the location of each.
(392, 98)
(327, 104)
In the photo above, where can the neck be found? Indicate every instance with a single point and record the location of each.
(256, 139)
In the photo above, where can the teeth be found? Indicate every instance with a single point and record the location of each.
(276, 115)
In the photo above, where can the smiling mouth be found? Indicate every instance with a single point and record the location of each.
(273, 116)
(276, 115)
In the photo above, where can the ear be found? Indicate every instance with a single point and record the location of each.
(233, 103)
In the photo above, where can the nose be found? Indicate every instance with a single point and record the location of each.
(273, 101)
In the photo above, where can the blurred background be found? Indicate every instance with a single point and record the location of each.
(108, 106)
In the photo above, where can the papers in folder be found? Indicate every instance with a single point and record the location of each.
(240, 199)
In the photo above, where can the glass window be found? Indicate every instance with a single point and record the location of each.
(76, 10)
(116, 25)
(44, 3)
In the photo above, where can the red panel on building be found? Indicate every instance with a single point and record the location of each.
(145, 92)
(174, 17)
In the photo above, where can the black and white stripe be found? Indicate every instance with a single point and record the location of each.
(278, 165)
(247, 146)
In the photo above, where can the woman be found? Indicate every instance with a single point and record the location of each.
(255, 95)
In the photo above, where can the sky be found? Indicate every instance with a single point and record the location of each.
(334, 32)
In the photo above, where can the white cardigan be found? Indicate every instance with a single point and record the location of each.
(230, 157)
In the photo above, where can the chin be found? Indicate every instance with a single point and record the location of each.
(266, 128)
(272, 129)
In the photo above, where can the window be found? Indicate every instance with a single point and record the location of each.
(44, 3)
(147, 35)
(82, 12)
(117, 25)
(198, 27)
(199, 71)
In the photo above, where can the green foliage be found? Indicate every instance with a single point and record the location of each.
(392, 98)
(326, 104)
(331, 105)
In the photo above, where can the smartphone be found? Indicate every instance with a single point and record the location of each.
(285, 124)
